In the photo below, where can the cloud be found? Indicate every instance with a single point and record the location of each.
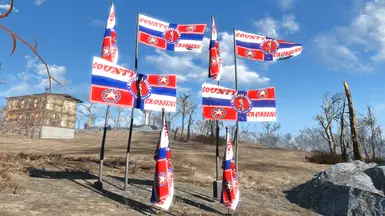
(34, 79)
(271, 27)
(5, 7)
(97, 22)
(39, 2)
(193, 67)
(286, 4)
(360, 45)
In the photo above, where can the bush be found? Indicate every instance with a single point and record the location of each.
(321, 157)
(208, 140)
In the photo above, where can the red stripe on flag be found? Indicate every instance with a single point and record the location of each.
(229, 114)
(192, 28)
(146, 38)
(96, 96)
(153, 80)
(252, 55)
(161, 179)
(253, 94)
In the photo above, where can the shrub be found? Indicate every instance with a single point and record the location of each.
(321, 157)
(208, 140)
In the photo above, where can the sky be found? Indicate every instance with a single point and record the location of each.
(342, 40)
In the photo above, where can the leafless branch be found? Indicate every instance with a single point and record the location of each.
(15, 37)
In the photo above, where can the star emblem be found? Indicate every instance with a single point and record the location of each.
(262, 93)
(163, 80)
(106, 51)
(162, 179)
(249, 53)
(228, 186)
(111, 94)
(213, 61)
(152, 40)
(218, 112)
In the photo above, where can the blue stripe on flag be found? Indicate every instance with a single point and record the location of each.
(109, 82)
(140, 105)
(107, 33)
(242, 116)
(169, 45)
(268, 57)
(212, 44)
(256, 45)
(226, 164)
(162, 153)
(225, 102)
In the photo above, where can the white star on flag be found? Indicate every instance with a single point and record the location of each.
(161, 179)
(163, 80)
(218, 112)
(105, 51)
(111, 95)
(249, 53)
(152, 40)
(262, 93)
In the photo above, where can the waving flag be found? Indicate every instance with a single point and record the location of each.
(262, 48)
(155, 92)
(173, 37)
(230, 188)
(109, 84)
(220, 103)
(110, 46)
(215, 67)
(163, 188)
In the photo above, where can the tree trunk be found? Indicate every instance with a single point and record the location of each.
(182, 129)
(175, 134)
(357, 149)
(342, 134)
(189, 126)
(212, 128)
(118, 119)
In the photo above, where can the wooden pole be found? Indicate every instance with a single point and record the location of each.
(236, 88)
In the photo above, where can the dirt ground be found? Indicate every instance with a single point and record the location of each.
(55, 177)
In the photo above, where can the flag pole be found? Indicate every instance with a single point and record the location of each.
(99, 183)
(236, 88)
(132, 110)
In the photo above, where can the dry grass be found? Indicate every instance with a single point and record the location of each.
(264, 173)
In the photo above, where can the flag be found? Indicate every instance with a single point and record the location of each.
(215, 59)
(262, 48)
(220, 103)
(157, 91)
(109, 84)
(110, 46)
(163, 188)
(230, 187)
(173, 37)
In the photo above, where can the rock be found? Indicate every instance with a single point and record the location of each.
(353, 188)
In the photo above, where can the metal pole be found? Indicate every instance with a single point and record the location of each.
(99, 183)
(217, 149)
(133, 109)
(236, 88)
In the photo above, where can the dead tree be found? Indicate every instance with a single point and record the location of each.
(371, 122)
(269, 132)
(343, 143)
(191, 111)
(117, 119)
(330, 109)
(15, 37)
(183, 109)
(357, 149)
(89, 113)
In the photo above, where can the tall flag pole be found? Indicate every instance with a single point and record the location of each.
(230, 188)
(138, 84)
(163, 188)
(236, 88)
(215, 70)
(109, 53)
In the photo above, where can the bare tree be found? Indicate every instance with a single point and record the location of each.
(192, 108)
(269, 135)
(15, 37)
(330, 111)
(117, 119)
(89, 113)
(183, 101)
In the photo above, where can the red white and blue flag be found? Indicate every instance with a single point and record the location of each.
(215, 59)
(114, 85)
(263, 48)
(110, 46)
(109, 84)
(230, 187)
(163, 188)
(173, 37)
(155, 91)
(220, 103)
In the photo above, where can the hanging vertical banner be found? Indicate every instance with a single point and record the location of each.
(230, 187)
(220, 103)
(110, 46)
(163, 188)
(172, 37)
(215, 59)
(262, 48)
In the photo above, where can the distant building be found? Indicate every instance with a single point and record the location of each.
(42, 116)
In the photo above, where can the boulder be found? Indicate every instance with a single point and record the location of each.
(353, 188)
